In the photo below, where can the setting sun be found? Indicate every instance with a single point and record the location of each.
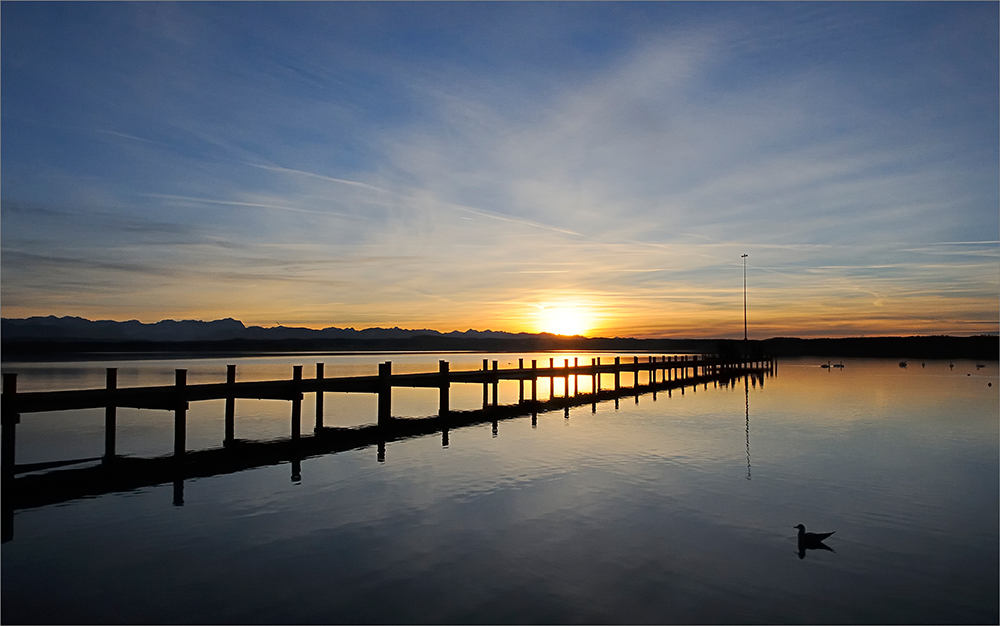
(564, 319)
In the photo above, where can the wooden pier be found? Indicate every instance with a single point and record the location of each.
(117, 473)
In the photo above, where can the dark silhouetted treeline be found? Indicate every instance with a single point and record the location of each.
(982, 347)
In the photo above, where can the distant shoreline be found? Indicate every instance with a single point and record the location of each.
(980, 347)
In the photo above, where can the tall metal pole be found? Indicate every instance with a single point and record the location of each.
(745, 297)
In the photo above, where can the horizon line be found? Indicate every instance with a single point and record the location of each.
(488, 330)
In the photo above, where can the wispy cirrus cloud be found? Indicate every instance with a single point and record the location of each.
(622, 157)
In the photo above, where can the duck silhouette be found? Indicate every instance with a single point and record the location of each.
(811, 541)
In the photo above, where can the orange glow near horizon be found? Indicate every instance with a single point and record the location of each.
(589, 314)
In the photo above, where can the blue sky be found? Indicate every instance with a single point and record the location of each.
(594, 167)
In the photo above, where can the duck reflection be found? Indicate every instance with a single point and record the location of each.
(811, 541)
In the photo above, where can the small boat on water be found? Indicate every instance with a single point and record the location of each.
(826, 365)
(979, 366)
(902, 363)
(839, 365)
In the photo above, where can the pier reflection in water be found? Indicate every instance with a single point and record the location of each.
(640, 514)
(117, 473)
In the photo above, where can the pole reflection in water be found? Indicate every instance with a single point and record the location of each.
(746, 386)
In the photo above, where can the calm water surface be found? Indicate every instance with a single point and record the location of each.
(678, 510)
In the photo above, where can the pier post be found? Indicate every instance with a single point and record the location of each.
(444, 387)
(496, 383)
(534, 380)
(520, 382)
(297, 402)
(180, 413)
(384, 394)
(110, 416)
(566, 378)
(9, 419)
(319, 398)
(635, 372)
(594, 382)
(552, 379)
(618, 373)
(230, 435)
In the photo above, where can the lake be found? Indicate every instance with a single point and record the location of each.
(678, 509)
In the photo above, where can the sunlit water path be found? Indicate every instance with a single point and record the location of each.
(674, 510)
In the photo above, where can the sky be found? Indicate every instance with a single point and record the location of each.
(593, 168)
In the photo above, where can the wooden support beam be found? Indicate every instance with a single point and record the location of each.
(180, 413)
(9, 419)
(534, 381)
(496, 384)
(297, 403)
(230, 434)
(384, 394)
(110, 416)
(319, 398)
(444, 388)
